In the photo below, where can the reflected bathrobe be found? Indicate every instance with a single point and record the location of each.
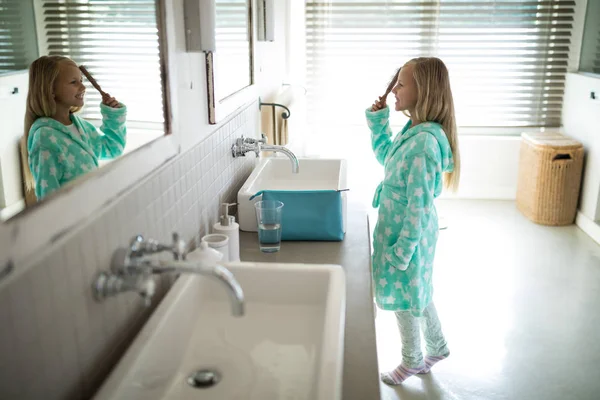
(58, 156)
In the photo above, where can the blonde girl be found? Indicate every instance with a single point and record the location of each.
(418, 163)
(58, 145)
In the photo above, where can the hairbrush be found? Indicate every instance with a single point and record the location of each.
(92, 80)
(391, 84)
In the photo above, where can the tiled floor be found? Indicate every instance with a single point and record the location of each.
(519, 304)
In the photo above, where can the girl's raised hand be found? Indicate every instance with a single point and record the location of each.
(110, 101)
(378, 105)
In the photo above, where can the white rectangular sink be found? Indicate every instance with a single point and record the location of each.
(275, 173)
(288, 345)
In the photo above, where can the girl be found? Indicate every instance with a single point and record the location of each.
(416, 162)
(58, 145)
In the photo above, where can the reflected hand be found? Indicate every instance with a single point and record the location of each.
(110, 101)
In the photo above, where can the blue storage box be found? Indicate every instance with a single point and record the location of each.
(310, 214)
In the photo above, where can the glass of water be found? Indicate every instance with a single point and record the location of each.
(268, 217)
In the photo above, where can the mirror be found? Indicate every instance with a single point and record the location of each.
(229, 68)
(121, 46)
(590, 48)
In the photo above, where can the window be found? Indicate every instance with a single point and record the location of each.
(118, 43)
(507, 59)
(18, 44)
(232, 56)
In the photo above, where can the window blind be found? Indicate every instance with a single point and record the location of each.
(507, 59)
(232, 57)
(18, 44)
(118, 43)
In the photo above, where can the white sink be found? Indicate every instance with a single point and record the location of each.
(275, 173)
(289, 344)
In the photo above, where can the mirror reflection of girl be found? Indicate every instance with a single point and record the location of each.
(60, 145)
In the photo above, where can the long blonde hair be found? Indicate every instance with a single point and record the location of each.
(434, 103)
(40, 103)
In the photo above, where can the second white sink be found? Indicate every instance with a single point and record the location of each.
(289, 344)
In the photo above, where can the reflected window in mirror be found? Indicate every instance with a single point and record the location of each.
(18, 42)
(229, 68)
(232, 41)
(118, 43)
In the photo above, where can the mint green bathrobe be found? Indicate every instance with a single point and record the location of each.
(407, 228)
(57, 156)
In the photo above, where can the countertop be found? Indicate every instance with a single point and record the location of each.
(360, 376)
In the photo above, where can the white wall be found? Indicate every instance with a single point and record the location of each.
(581, 120)
(490, 166)
(12, 114)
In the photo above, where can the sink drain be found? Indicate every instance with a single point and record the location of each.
(204, 378)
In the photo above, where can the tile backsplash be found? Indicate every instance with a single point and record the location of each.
(56, 342)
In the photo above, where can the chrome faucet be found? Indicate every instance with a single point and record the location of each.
(140, 247)
(133, 271)
(244, 145)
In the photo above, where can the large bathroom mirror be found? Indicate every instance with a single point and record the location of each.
(76, 129)
(229, 68)
(590, 48)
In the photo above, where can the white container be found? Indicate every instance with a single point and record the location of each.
(206, 255)
(227, 226)
(218, 242)
(273, 173)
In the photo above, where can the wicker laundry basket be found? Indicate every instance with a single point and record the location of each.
(550, 168)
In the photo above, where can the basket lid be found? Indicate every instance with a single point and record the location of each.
(551, 140)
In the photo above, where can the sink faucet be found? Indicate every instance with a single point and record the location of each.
(133, 271)
(244, 145)
(139, 247)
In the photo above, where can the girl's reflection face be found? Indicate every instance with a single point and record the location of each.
(69, 89)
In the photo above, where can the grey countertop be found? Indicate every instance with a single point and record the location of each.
(361, 376)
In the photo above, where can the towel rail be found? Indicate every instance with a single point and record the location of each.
(286, 114)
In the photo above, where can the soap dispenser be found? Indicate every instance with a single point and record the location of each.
(229, 227)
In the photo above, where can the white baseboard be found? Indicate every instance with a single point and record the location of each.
(12, 210)
(588, 226)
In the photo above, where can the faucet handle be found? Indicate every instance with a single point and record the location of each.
(136, 243)
(146, 290)
(262, 140)
(108, 285)
(179, 247)
(238, 149)
(140, 247)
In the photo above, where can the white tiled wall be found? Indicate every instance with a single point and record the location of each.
(56, 342)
